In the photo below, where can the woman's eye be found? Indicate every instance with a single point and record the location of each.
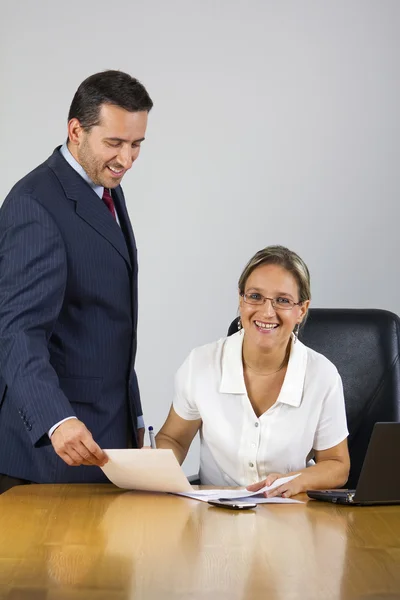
(281, 300)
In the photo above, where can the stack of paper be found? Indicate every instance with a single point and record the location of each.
(159, 471)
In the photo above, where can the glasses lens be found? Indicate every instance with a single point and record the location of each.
(283, 303)
(253, 298)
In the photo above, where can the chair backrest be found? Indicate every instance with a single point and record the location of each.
(364, 344)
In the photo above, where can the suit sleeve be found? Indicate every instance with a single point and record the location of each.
(33, 271)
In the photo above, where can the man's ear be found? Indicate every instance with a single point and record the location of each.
(75, 131)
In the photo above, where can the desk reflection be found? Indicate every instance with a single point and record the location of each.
(155, 531)
(372, 562)
(100, 543)
(54, 548)
(185, 549)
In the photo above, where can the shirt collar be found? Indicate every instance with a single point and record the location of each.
(232, 380)
(98, 189)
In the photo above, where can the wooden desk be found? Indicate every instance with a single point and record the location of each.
(71, 542)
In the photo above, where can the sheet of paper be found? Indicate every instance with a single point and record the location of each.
(235, 494)
(148, 470)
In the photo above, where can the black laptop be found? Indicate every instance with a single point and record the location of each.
(379, 481)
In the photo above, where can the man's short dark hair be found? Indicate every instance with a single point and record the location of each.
(107, 87)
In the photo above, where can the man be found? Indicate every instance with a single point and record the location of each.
(68, 296)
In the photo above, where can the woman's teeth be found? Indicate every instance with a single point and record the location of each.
(266, 325)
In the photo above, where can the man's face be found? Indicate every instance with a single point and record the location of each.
(108, 150)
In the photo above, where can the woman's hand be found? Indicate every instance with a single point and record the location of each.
(291, 488)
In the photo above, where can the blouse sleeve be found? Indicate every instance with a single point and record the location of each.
(332, 424)
(184, 402)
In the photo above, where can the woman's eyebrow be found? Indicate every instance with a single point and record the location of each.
(256, 289)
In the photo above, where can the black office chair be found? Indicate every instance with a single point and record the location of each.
(364, 345)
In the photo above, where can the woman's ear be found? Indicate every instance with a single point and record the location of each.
(240, 300)
(303, 310)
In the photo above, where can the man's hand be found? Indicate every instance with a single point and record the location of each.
(140, 437)
(73, 442)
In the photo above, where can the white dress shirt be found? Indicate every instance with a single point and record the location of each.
(236, 446)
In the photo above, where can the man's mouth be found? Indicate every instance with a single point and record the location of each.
(116, 172)
(264, 327)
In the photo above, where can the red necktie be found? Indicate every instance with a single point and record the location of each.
(108, 201)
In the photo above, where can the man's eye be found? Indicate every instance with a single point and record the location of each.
(113, 144)
(281, 300)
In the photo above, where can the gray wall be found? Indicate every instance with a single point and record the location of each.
(274, 122)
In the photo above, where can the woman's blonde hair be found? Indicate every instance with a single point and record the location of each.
(285, 258)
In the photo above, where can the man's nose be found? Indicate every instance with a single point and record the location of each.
(126, 157)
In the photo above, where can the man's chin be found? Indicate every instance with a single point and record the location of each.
(111, 183)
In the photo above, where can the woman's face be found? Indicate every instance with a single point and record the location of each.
(267, 327)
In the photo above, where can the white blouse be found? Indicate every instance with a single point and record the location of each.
(237, 447)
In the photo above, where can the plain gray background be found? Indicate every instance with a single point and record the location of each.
(274, 122)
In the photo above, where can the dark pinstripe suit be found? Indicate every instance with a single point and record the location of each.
(68, 315)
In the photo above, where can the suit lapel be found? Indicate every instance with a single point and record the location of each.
(89, 207)
(97, 215)
(126, 227)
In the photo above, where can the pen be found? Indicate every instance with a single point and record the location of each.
(152, 438)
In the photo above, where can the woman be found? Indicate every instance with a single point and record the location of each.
(265, 404)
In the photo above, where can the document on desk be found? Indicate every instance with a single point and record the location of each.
(244, 495)
(159, 471)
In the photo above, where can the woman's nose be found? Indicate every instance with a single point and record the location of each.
(268, 307)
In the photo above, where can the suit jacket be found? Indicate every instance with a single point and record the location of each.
(68, 316)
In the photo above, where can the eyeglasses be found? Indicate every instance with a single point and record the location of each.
(279, 303)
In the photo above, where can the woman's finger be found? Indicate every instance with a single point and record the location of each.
(276, 492)
(254, 487)
(271, 478)
(287, 494)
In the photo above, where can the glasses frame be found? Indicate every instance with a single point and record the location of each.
(272, 300)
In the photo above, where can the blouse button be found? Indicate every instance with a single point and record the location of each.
(251, 464)
(256, 424)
